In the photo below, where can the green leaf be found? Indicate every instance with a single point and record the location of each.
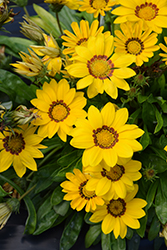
(134, 242)
(160, 206)
(71, 231)
(86, 218)
(67, 16)
(105, 241)
(142, 229)
(17, 90)
(163, 182)
(154, 228)
(62, 208)
(57, 196)
(145, 139)
(118, 244)
(91, 235)
(129, 234)
(141, 98)
(46, 222)
(151, 194)
(13, 45)
(134, 116)
(44, 209)
(159, 121)
(49, 21)
(66, 159)
(148, 115)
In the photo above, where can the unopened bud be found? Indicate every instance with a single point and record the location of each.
(31, 30)
(21, 115)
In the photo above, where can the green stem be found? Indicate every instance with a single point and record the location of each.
(27, 192)
(48, 156)
(25, 10)
(58, 22)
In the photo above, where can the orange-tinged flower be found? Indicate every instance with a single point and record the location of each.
(77, 193)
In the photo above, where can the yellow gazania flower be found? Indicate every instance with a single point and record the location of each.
(164, 48)
(58, 107)
(99, 69)
(131, 40)
(77, 192)
(105, 136)
(71, 4)
(119, 213)
(19, 148)
(51, 54)
(153, 14)
(113, 182)
(81, 35)
(31, 65)
(96, 6)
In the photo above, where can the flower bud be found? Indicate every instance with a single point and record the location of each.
(6, 209)
(21, 115)
(31, 30)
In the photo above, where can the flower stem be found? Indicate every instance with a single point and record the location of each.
(48, 156)
(27, 192)
(58, 22)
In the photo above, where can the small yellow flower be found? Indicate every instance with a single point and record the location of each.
(132, 41)
(105, 136)
(113, 182)
(20, 148)
(31, 65)
(50, 53)
(96, 6)
(117, 214)
(153, 14)
(58, 107)
(99, 69)
(80, 35)
(77, 193)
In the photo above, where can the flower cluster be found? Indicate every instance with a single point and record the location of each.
(96, 99)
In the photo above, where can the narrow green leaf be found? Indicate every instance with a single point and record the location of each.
(62, 208)
(154, 228)
(142, 229)
(151, 194)
(105, 241)
(159, 121)
(145, 139)
(160, 206)
(57, 196)
(49, 20)
(46, 222)
(71, 231)
(134, 242)
(12, 83)
(118, 244)
(91, 235)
